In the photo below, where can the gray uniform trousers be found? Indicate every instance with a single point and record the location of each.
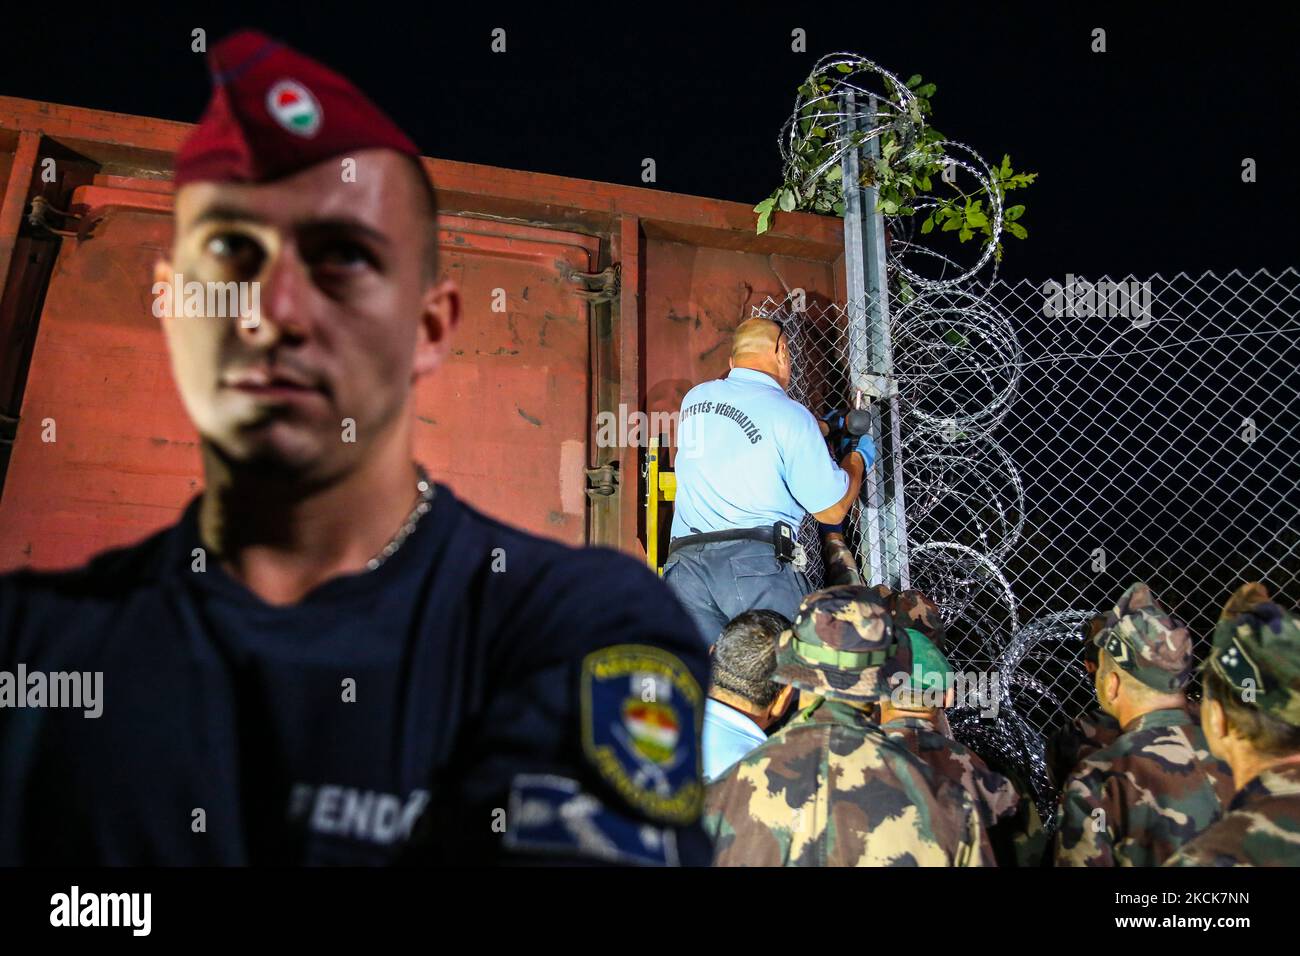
(715, 582)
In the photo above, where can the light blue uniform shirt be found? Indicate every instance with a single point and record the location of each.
(727, 736)
(748, 456)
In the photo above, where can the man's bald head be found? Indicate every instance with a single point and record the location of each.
(758, 344)
(755, 337)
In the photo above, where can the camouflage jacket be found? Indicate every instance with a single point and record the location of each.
(1138, 800)
(1261, 827)
(830, 789)
(1014, 826)
(1079, 739)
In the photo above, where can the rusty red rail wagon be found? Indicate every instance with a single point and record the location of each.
(618, 300)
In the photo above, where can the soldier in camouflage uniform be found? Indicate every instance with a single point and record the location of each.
(1251, 718)
(1241, 601)
(910, 715)
(830, 788)
(1138, 800)
(913, 609)
(1078, 740)
(1087, 732)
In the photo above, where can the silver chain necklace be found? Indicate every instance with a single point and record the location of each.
(424, 489)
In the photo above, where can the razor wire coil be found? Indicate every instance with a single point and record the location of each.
(1050, 457)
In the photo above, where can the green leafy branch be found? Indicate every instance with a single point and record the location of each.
(908, 173)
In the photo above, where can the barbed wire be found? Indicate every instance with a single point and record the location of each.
(956, 366)
(924, 377)
(989, 549)
(820, 123)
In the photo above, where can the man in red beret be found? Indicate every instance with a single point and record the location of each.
(329, 659)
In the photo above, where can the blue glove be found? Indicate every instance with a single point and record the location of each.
(865, 447)
(834, 420)
(846, 444)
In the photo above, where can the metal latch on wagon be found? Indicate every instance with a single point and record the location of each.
(600, 286)
(603, 480)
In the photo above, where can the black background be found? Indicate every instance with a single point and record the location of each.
(1139, 149)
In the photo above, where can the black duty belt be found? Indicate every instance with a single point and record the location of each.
(780, 536)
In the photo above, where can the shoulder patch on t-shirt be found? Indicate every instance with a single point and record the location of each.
(554, 815)
(642, 713)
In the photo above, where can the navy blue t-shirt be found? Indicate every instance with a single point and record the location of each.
(483, 696)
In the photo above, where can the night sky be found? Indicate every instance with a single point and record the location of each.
(1139, 149)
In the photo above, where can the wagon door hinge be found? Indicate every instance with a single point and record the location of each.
(600, 286)
(41, 215)
(603, 480)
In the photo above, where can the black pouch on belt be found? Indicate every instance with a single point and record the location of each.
(783, 542)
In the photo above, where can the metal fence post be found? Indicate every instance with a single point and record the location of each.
(883, 524)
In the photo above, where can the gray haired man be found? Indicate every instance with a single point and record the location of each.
(743, 699)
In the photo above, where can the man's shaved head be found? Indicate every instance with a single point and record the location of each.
(754, 337)
(758, 345)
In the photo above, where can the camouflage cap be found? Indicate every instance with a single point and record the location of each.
(840, 638)
(912, 609)
(882, 594)
(1258, 654)
(1243, 599)
(1147, 641)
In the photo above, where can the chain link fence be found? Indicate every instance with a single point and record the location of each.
(1060, 440)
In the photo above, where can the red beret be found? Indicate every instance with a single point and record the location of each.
(274, 112)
